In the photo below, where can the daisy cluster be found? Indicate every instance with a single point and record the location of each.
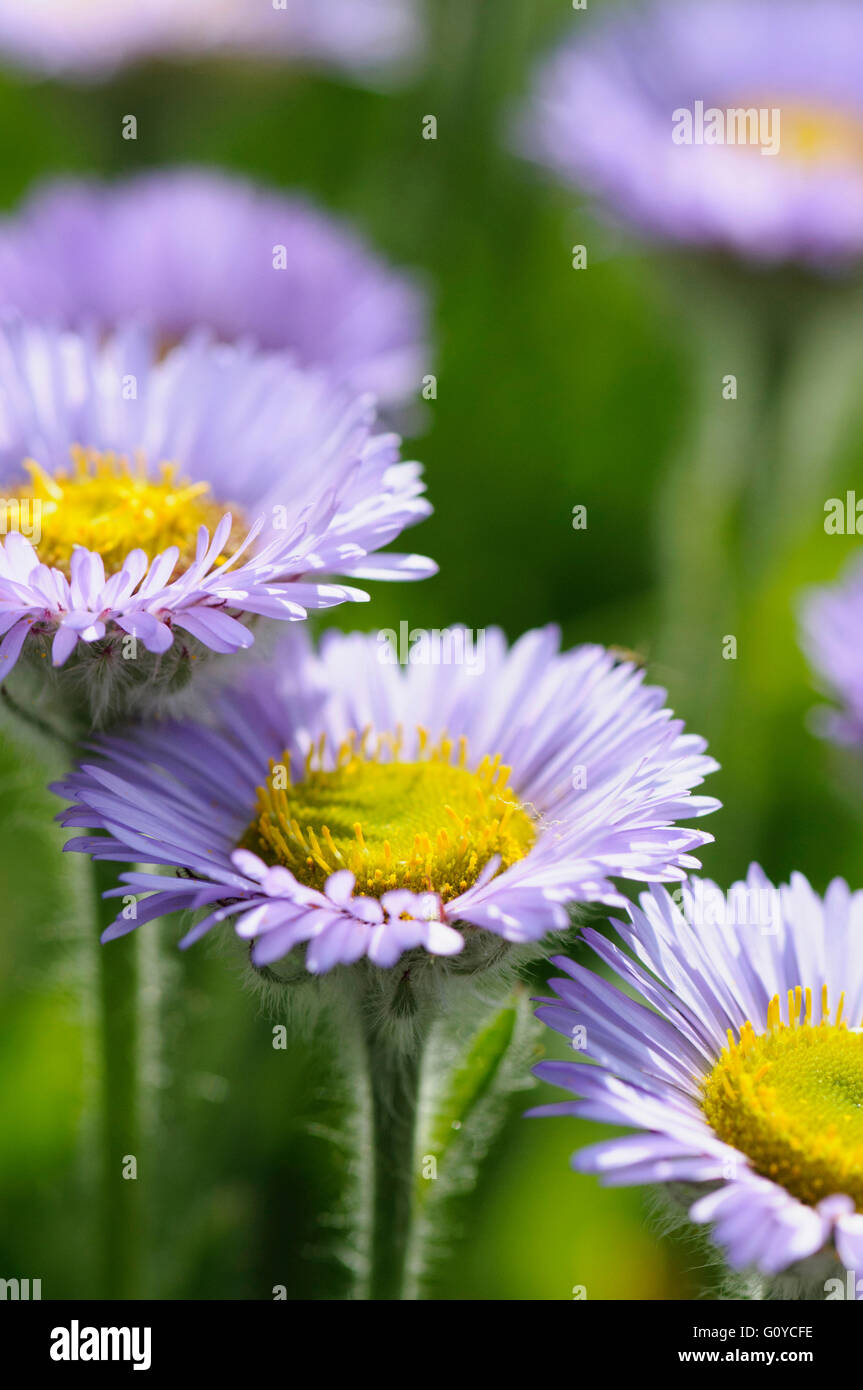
(194, 372)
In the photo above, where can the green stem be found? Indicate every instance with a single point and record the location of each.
(698, 514)
(121, 1121)
(722, 521)
(39, 726)
(394, 1082)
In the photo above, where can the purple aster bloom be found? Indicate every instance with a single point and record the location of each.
(832, 622)
(209, 250)
(606, 115)
(181, 494)
(742, 1070)
(92, 38)
(359, 808)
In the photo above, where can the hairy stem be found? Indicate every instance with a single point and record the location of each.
(394, 1083)
(120, 1100)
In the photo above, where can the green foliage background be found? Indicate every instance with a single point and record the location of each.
(556, 388)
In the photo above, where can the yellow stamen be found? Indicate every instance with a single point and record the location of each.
(791, 1098)
(110, 505)
(391, 822)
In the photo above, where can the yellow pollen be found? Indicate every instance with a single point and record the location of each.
(110, 505)
(393, 824)
(791, 1098)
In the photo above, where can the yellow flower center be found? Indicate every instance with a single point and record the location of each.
(807, 134)
(791, 1099)
(109, 505)
(820, 135)
(430, 825)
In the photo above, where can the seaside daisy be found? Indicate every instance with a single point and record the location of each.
(211, 250)
(357, 808)
(156, 505)
(739, 1063)
(91, 39)
(831, 624)
(716, 123)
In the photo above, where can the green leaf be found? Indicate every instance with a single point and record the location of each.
(471, 1083)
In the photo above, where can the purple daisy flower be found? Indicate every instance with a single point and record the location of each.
(92, 38)
(665, 115)
(147, 496)
(832, 620)
(742, 1069)
(361, 809)
(219, 252)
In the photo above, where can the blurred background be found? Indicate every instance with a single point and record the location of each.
(556, 388)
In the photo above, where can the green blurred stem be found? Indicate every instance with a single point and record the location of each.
(120, 1032)
(43, 727)
(394, 1082)
(723, 520)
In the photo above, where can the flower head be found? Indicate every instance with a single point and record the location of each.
(721, 123)
(165, 501)
(832, 622)
(360, 809)
(217, 252)
(742, 1070)
(92, 38)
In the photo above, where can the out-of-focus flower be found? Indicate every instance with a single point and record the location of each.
(727, 123)
(161, 500)
(191, 248)
(832, 634)
(361, 810)
(742, 1070)
(92, 38)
